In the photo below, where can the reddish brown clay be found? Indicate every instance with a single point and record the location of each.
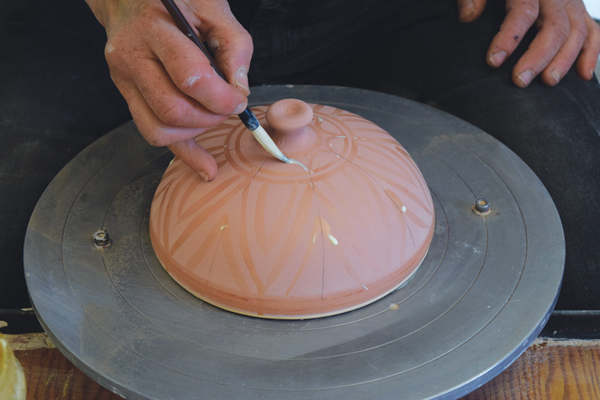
(288, 122)
(268, 239)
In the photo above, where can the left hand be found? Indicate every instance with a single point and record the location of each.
(566, 33)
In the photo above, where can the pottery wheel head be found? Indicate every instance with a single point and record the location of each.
(269, 239)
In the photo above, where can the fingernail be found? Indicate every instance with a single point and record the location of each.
(239, 109)
(498, 58)
(466, 9)
(203, 175)
(526, 77)
(556, 75)
(241, 79)
(591, 73)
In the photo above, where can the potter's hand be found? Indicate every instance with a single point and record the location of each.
(566, 32)
(172, 91)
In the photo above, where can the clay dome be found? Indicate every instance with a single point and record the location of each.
(270, 239)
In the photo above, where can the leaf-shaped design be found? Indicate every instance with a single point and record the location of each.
(270, 239)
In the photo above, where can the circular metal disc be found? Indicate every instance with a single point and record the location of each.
(481, 296)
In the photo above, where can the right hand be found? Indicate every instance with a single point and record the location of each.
(172, 91)
(567, 34)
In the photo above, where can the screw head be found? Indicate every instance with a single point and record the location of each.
(482, 205)
(101, 239)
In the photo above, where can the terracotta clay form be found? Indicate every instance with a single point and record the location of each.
(269, 239)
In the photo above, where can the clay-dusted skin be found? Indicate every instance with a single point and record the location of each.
(269, 239)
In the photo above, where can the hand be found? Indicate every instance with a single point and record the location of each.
(172, 91)
(566, 33)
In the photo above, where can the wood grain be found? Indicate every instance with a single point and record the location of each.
(548, 370)
(50, 376)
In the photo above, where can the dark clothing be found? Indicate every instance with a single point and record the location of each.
(56, 97)
(418, 50)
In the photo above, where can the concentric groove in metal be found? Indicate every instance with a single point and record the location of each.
(477, 301)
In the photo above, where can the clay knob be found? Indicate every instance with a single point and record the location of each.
(289, 116)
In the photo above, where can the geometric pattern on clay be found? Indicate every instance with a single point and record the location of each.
(269, 239)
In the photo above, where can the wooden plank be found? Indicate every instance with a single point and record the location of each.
(548, 370)
(50, 376)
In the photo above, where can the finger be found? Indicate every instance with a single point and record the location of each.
(179, 140)
(590, 50)
(192, 73)
(520, 16)
(554, 31)
(470, 10)
(569, 51)
(232, 47)
(168, 103)
(155, 131)
(230, 43)
(196, 158)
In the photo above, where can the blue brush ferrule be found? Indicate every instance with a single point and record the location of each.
(249, 119)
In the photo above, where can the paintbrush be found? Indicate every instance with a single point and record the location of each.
(247, 117)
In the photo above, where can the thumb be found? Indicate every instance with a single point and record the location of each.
(196, 158)
(470, 10)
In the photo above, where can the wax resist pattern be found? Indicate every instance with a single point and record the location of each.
(270, 239)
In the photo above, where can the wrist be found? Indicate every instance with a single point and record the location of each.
(105, 10)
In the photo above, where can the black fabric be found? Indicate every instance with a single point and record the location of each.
(419, 50)
(56, 97)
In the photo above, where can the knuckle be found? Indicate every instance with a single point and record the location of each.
(191, 80)
(153, 133)
(561, 28)
(595, 31)
(580, 30)
(109, 48)
(529, 10)
(158, 139)
(113, 53)
(545, 60)
(171, 114)
(233, 36)
(119, 57)
(245, 39)
(529, 18)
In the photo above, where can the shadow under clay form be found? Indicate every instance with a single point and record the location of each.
(269, 239)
